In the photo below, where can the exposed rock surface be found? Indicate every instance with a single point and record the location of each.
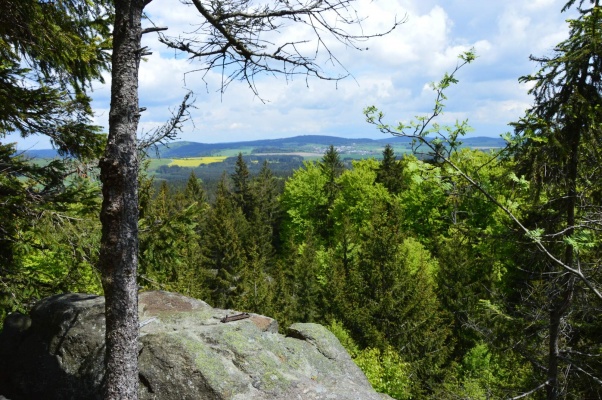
(186, 352)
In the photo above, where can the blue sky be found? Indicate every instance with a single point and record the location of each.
(393, 74)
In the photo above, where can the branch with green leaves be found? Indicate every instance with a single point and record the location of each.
(446, 141)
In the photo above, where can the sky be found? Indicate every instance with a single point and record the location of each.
(392, 72)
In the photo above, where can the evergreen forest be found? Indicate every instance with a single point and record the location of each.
(449, 273)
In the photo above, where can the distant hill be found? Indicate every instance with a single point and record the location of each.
(43, 153)
(304, 143)
(293, 144)
(473, 142)
(484, 142)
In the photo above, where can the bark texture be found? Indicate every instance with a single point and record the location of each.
(119, 214)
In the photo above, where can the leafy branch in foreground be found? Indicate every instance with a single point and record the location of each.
(556, 149)
(446, 141)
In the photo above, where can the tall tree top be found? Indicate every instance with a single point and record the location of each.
(66, 41)
(390, 171)
(331, 163)
(51, 51)
(194, 189)
(571, 3)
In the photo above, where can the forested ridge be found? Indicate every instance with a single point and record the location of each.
(449, 273)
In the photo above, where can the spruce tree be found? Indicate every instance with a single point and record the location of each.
(390, 171)
(561, 148)
(331, 167)
(194, 191)
(50, 52)
(224, 248)
(241, 180)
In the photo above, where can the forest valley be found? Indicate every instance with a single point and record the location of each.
(449, 273)
(426, 282)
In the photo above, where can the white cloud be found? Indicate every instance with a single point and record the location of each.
(392, 74)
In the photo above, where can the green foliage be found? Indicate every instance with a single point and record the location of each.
(302, 199)
(390, 171)
(58, 48)
(358, 194)
(482, 375)
(444, 139)
(170, 249)
(224, 248)
(559, 139)
(332, 167)
(49, 54)
(241, 182)
(194, 190)
(53, 252)
(422, 200)
(385, 370)
(415, 265)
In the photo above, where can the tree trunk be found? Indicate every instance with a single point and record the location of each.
(557, 312)
(563, 301)
(119, 213)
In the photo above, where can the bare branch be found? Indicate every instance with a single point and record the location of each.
(154, 29)
(239, 36)
(572, 363)
(530, 391)
(170, 129)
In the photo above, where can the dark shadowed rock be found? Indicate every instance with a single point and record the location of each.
(186, 352)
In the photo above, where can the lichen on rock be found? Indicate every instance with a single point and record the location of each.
(186, 352)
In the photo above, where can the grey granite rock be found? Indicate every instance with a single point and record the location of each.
(186, 352)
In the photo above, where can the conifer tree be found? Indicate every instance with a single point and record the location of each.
(332, 167)
(241, 180)
(392, 301)
(50, 52)
(265, 189)
(194, 190)
(267, 213)
(48, 232)
(561, 148)
(305, 290)
(282, 306)
(170, 252)
(224, 248)
(390, 171)
(256, 291)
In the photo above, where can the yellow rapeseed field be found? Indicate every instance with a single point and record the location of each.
(196, 161)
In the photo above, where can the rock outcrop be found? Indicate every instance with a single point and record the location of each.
(188, 350)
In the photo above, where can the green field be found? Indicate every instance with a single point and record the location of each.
(155, 163)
